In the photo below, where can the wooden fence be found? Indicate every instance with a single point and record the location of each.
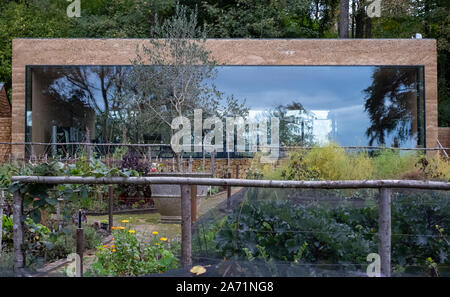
(384, 186)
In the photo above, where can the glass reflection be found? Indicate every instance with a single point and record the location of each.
(349, 105)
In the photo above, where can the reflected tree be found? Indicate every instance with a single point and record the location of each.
(391, 102)
(295, 124)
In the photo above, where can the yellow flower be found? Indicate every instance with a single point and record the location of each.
(105, 246)
(157, 243)
(155, 232)
(163, 239)
(121, 228)
(132, 231)
(125, 221)
(114, 250)
(112, 245)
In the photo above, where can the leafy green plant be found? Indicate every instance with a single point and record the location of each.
(127, 256)
(344, 234)
(283, 230)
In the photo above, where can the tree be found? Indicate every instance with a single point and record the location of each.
(181, 78)
(343, 18)
(391, 106)
(23, 18)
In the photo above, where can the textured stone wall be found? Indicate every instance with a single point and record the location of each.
(5, 136)
(5, 125)
(231, 52)
(444, 137)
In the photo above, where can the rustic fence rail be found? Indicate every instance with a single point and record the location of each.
(385, 187)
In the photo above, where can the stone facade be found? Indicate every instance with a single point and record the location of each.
(5, 124)
(231, 52)
(444, 137)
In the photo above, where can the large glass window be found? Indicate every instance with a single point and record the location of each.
(349, 105)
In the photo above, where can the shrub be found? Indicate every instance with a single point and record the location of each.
(281, 229)
(127, 256)
(330, 162)
(393, 164)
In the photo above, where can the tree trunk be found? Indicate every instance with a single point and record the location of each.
(359, 23)
(343, 18)
(353, 17)
(368, 27)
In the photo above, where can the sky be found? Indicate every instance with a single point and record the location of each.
(332, 90)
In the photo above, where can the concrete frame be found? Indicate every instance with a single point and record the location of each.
(349, 52)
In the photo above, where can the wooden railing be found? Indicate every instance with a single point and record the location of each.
(385, 187)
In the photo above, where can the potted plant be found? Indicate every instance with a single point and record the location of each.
(104, 224)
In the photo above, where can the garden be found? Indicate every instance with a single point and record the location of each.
(266, 232)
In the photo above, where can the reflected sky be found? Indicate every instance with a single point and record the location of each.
(333, 97)
(337, 91)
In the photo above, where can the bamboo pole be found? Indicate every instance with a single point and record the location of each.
(19, 257)
(213, 156)
(58, 213)
(229, 194)
(80, 243)
(384, 231)
(203, 160)
(193, 203)
(186, 235)
(110, 209)
(204, 180)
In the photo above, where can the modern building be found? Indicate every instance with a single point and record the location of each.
(356, 91)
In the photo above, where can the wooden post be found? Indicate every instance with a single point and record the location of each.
(33, 158)
(213, 156)
(110, 208)
(186, 235)
(193, 203)
(237, 170)
(229, 194)
(2, 204)
(173, 164)
(204, 161)
(384, 231)
(80, 245)
(149, 155)
(190, 164)
(228, 162)
(58, 213)
(19, 257)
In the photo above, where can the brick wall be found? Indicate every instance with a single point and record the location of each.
(5, 125)
(231, 52)
(5, 136)
(444, 137)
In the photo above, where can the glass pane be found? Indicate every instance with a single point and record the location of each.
(348, 105)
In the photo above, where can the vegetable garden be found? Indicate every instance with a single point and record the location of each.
(304, 230)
